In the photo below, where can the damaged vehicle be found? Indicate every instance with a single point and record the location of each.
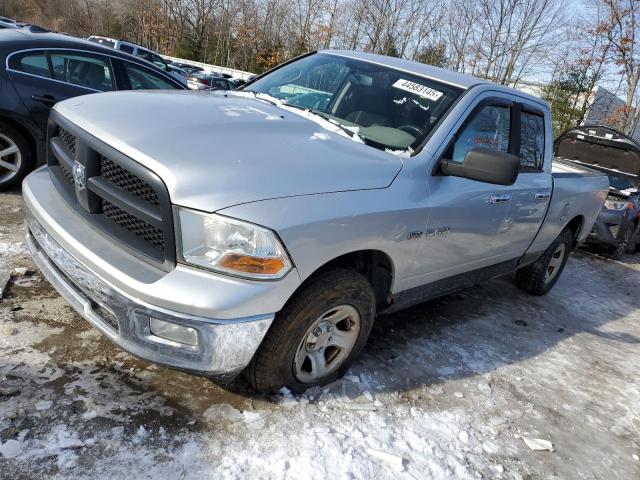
(262, 231)
(602, 148)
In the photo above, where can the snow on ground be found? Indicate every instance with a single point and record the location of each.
(448, 389)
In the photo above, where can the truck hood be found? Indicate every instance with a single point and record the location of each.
(216, 150)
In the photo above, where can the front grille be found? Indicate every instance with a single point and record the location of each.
(68, 175)
(127, 181)
(121, 197)
(68, 140)
(138, 227)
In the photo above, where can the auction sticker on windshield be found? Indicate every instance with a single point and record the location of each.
(418, 89)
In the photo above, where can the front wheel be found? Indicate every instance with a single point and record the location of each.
(540, 277)
(317, 335)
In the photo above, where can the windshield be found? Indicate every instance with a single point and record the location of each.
(386, 108)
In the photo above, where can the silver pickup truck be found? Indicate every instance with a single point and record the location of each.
(262, 231)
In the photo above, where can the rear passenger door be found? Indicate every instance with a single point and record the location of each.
(531, 193)
(44, 77)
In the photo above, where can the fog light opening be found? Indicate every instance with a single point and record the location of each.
(173, 331)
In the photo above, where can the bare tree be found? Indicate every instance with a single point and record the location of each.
(619, 26)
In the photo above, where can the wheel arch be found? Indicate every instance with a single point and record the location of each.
(26, 133)
(375, 265)
(575, 225)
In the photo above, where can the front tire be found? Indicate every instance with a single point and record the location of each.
(16, 160)
(317, 335)
(540, 277)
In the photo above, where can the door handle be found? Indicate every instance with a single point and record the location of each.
(542, 195)
(46, 99)
(499, 198)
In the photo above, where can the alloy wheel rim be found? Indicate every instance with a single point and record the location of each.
(10, 158)
(555, 263)
(327, 343)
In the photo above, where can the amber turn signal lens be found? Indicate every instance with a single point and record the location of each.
(245, 263)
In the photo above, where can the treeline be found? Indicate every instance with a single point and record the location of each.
(499, 39)
(572, 45)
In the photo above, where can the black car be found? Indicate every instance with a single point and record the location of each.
(602, 148)
(39, 69)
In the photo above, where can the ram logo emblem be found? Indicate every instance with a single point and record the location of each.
(79, 175)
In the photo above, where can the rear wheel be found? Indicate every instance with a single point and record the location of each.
(318, 334)
(15, 157)
(540, 277)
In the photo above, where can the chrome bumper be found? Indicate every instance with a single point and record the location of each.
(224, 346)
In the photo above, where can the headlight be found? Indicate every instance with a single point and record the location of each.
(230, 246)
(613, 205)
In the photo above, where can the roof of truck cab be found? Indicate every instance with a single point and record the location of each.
(439, 74)
(409, 66)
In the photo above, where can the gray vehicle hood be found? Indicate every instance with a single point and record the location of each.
(214, 150)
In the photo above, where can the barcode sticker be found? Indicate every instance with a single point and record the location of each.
(417, 89)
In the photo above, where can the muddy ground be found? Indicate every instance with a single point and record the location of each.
(448, 389)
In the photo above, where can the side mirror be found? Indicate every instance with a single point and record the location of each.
(484, 165)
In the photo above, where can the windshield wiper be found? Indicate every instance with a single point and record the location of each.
(326, 117)
(348, 130)
(265, 99)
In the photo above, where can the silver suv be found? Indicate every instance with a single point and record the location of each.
(143, 53)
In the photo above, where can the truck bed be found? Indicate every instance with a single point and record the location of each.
(576, 189)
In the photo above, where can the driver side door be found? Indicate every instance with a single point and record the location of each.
(468, 219)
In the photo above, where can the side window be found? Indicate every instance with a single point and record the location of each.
(142, 79)
(489, 128)
(83, 69)
(158, 62)
(126, 49)
(34, 63)
(222, 85)
(531, 140)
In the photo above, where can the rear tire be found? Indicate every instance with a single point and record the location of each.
(299, 350)
(16, 160)
(540, 276)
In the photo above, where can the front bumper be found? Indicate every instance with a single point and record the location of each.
(607, 227)
(225, 343)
